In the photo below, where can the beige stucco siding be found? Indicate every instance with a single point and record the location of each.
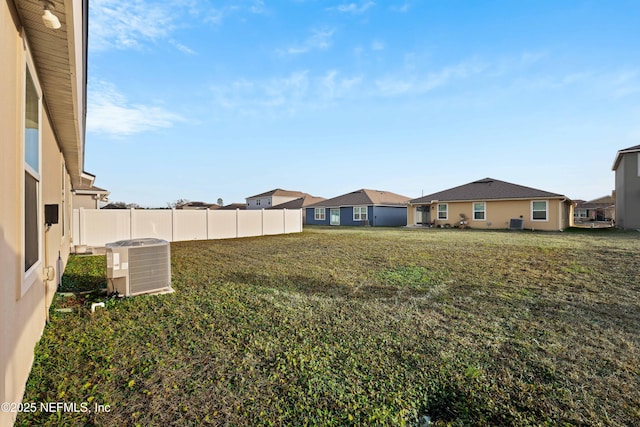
(23, 311)
(84, 201)
(499, 213)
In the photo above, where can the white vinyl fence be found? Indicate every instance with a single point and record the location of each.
(97, 227)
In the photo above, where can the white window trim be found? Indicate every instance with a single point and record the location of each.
(580, 213)
(322, 211)
(546, 211)
(360, 208)
(473, 211)
(446, 211)
(30, 276)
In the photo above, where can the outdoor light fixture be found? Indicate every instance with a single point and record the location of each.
(50, 20)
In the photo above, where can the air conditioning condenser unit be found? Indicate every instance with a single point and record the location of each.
(138, 266)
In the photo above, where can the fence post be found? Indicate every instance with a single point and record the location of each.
(173, 224)
(206, 224)
(237, 220)
(131, 225)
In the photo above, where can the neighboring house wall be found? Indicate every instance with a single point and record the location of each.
(268, 201)
(259, 203)
(389, 216)
(628, 191)
(85, 201)
(25, 296)
(382, 216)
(497, 214)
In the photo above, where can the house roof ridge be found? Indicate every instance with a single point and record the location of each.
(486, 189)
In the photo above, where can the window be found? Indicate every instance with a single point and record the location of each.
(479, 211)
(359, 213)
(258, 202)
(31, 180)
(539, 211)
(443, 212)
(319, 214)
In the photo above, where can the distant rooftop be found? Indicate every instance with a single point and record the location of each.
(279, 192)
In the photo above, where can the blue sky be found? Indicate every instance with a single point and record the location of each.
(198, 99)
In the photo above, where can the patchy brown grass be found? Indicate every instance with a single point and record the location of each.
(362, 327)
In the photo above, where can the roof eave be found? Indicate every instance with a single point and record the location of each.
(63, 75)
(621, 153)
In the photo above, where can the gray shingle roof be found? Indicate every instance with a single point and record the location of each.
(301, 202)
(365, 197)
(487, 189)
(280, 192)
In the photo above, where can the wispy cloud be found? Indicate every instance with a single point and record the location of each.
(131, 24)
(124, 25)
(182, 48)
(403, 8)
(403, 85)
(353, 8)
(377, 45)
(320, 39)
(285, 95)
(109, 112)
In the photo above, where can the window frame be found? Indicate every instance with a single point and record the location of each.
(446, 211)
(359, 215)
(320, 214)
(546, 211)
(32, 274)
(483, 210)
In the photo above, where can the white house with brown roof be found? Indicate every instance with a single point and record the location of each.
(491, 203)
(627, 169)
(360, 207)
(42, 119)
(272, 198)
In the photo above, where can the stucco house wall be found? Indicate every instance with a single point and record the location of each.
(498, 214)
(26, 293)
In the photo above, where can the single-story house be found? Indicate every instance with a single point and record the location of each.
(627, 169)
(233, 207)
(361, 207)
(88, 196)
(300, 203)
(490, 203)
(272, 198)
(194, 206)
(600, 209)
(42, 141)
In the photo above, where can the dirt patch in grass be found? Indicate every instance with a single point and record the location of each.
(362, 327)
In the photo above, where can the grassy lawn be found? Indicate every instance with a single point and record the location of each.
(358, 327)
